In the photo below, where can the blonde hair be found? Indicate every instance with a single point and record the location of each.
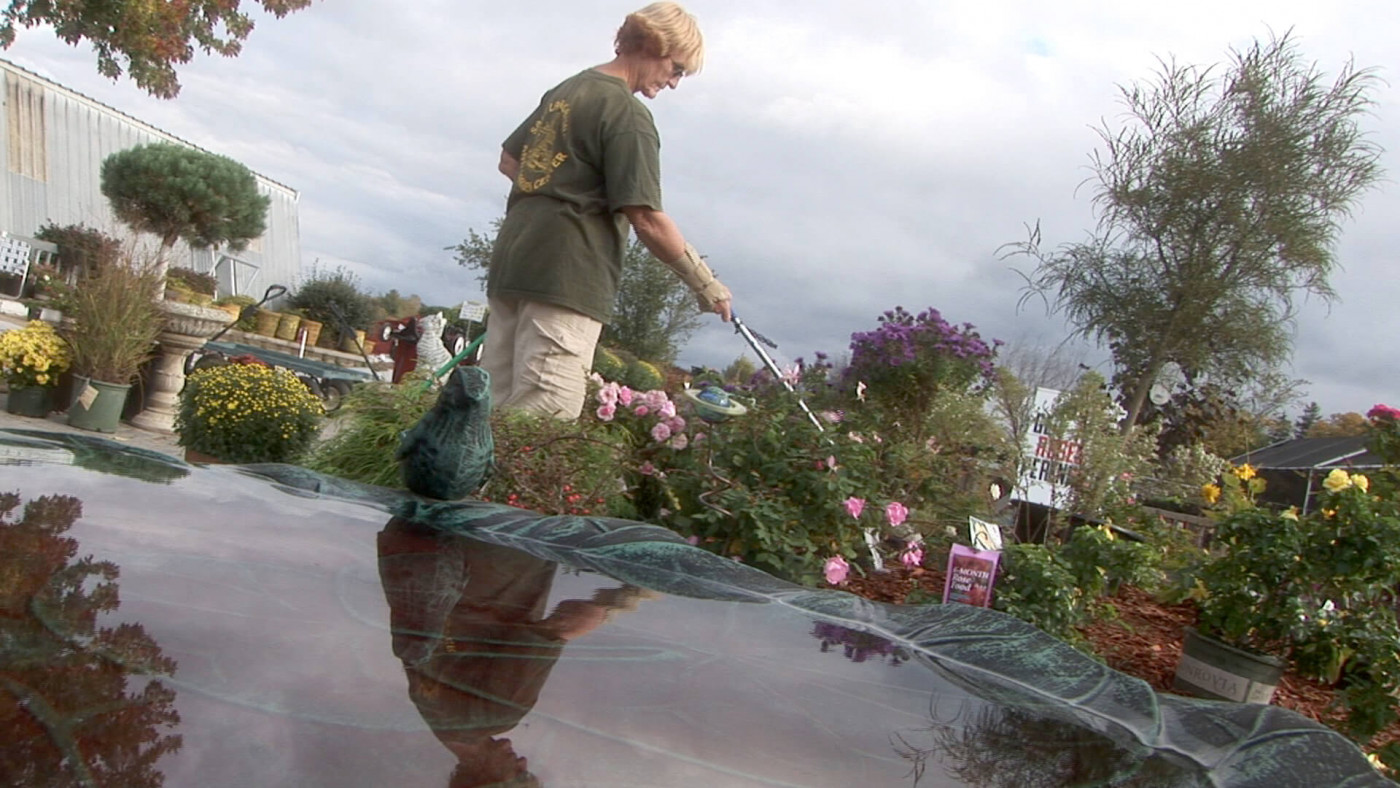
(663, 30)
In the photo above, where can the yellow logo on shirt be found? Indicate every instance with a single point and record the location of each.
(541, 156)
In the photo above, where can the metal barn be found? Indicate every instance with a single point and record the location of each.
(54, 145)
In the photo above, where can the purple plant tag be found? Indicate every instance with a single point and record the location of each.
(971, 575)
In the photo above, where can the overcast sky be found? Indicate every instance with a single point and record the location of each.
(833, 159)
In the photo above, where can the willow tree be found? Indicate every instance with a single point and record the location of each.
(1219, 202)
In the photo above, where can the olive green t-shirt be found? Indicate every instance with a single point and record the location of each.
(588, 150)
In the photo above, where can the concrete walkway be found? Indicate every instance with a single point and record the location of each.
(126, 434)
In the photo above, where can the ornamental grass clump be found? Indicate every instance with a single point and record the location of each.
(32, 356)
(247, 412)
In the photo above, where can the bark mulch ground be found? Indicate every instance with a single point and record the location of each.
(1144, 640)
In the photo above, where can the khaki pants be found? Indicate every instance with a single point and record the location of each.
(538, 356)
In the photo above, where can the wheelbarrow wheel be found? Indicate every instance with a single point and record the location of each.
(333, 394)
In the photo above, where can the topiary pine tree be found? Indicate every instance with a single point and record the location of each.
(177, 192)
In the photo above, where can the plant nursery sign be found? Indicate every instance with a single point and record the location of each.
(1053, 458)
(971, 575)
(985, 535)
(474, 311)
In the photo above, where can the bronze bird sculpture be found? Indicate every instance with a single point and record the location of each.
(449, 453)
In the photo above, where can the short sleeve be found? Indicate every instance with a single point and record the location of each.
(632, 169)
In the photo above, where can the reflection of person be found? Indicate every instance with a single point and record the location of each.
(584, 165)
(469, 623)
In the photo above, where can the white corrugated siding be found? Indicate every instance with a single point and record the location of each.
(58, 180)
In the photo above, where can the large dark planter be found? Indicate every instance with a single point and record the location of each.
(32, 401)
(1211, 669)
(97, 405)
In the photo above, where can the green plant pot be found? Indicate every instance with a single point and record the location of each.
(97, 405)
(1211, 669)
(32, 401)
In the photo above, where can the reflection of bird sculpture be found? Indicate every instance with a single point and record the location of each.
(448, 454)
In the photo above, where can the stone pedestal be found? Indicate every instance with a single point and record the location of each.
(187, 327)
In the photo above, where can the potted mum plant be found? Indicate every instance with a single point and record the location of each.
(1314, 591)
(31, 359)
(115, 323)
(246, 411)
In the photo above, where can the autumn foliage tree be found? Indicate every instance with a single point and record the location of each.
(145, 40)
(1219, 201)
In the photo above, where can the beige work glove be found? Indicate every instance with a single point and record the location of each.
(692, 270)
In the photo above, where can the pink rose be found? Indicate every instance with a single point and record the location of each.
(646, 469)
(854, 506)
(1383, 411)
(624, 396)
(676, 423)
(836, 570)
(679, 441)
(641, 410)
(660, 432)
(606, 412)
(912, 557)
(608, 394)
(896, 513)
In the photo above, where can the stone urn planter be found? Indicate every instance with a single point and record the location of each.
(187, 327)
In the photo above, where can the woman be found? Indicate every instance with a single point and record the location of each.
(585, 165)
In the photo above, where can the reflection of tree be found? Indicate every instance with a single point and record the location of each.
(67, 714)
(858, 646)
(1025, 748)
(469, 623)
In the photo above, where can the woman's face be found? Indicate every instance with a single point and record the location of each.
(656, 74)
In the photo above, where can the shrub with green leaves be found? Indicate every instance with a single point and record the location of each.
(1035, 587)
(195, 281)
(608, 364)
(644, 376)
(1101, 561)
(553, 466)
(325, 293)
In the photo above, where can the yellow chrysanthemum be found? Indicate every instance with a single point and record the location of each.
(1246, 472)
